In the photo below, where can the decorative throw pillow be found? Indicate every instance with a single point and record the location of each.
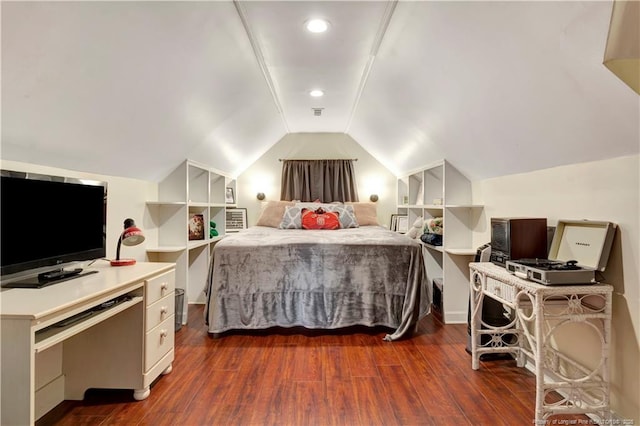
(365, 213)
(272, 213)
(292, 218)
(435, 226)
(320, 219)
(346, 214)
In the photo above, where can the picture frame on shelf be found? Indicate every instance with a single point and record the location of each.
(394, 221)
(196, 227)
(402, 224)
(236, 220)
(229, 196)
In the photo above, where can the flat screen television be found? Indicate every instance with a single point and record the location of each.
(47, 222)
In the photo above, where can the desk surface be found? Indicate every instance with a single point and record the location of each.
(37, 303)
(501, 274)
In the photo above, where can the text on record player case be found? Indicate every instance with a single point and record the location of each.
(440, 190)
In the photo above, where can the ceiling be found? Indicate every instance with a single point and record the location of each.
(133, 88)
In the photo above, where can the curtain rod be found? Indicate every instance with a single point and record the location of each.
(316, 159)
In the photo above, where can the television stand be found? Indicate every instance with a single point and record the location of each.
(48, 278)
(51, 354)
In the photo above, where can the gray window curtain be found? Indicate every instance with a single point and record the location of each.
(324, 180)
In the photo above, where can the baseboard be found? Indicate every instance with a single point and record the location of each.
(459, 317)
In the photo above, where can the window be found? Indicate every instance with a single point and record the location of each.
(324, 180)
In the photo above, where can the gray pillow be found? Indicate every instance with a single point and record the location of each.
(292, 218)
(347, 216)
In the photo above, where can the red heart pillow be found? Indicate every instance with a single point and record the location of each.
(320, 219)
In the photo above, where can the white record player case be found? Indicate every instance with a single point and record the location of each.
(579, 249)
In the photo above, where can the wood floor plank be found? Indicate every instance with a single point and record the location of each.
(404, 401)
(335, 362)
(308, 405)
(437, 402)
(342, 408)
(412, 358)
(361, 361)
(307, 360)
(475, 407)
(300, 377)
(373, 402)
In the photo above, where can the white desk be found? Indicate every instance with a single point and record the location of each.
(126, 346)
(540, 312)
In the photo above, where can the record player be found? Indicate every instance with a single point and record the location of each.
(579, 249)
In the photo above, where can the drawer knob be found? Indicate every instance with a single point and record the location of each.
(163, 334)
(163, 286)
(163, 311)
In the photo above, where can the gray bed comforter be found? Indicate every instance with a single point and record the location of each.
(264, 277)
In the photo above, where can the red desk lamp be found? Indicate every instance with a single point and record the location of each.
(131, 236)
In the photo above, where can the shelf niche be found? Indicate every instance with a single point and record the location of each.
(191, 188)
(440, 190)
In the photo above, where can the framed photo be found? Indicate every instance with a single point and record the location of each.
(402, 224)
(399, 223)
(394, 221)
(236, 220)
(229, 198)
(196, 227)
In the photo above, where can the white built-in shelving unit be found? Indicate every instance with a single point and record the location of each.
(440, 190)
(190, 189)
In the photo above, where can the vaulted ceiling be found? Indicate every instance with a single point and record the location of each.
(133, 88)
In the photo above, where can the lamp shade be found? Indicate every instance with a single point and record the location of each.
(131, 236)
(622, 54)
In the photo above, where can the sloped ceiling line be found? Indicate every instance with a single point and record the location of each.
(384, 24)
(261, 62)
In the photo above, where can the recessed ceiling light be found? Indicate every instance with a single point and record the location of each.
(316, 93)
(317, 25)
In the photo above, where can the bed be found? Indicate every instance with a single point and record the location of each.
(267, 277)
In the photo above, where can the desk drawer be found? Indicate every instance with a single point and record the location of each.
(501, 290)
(160, 311)
(158, 342)
(159, 287)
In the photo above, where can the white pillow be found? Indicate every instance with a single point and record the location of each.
(416, 229)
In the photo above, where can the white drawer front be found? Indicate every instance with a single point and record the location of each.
(160, 286)
(158, 342)
(501, 290)
(160, 311)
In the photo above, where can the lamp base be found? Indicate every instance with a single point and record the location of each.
(123, 262)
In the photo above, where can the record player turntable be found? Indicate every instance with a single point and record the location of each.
(579, 249)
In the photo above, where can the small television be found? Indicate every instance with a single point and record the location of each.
(47, 223)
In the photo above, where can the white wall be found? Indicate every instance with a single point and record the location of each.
(606, 190)
(125, 198)
(264, 175)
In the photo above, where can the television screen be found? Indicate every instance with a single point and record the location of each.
(48, 221)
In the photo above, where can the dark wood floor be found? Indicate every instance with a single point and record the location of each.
(298, 377)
